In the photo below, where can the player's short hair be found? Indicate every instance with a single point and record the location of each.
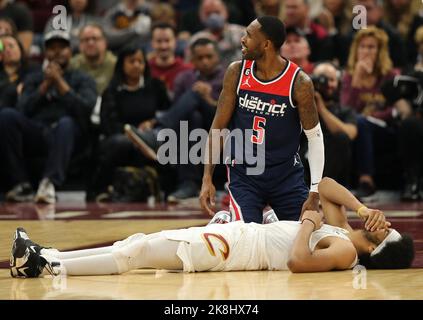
(274, 30)
(395, 255)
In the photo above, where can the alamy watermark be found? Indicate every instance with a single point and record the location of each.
(360, 277)
(60, 19)
(239, 147)
(360, 19)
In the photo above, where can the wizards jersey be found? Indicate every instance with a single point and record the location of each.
(266, 108)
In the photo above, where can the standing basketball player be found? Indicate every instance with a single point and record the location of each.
(273, 97)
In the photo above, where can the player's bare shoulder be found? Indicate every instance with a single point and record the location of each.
(232, 74)
(304, 100)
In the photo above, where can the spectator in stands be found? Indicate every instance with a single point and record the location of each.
(369, 66)
(409, 109)
(339, 123)
(404, 16)
(419, 45)
(14, 66)
(163, 13)
(164, 64)
(214, 16)
(196, 94)
(267, 8)
(127, 22)
(397, 50)
(297, 49)
(336, 17)
(21, 16)
(79, 15)
(295, 13)
(54, 110)
(7, 27)
(94, 58)
(132, 97)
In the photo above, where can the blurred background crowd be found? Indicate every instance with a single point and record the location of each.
(69, 85)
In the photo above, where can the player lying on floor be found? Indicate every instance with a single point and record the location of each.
(306, 246)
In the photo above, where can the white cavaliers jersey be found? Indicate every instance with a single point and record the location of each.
(243, 246)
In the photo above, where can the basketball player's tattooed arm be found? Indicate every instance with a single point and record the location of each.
(304, 100)
(224, 111)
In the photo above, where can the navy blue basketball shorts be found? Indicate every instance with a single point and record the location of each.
(281, 186)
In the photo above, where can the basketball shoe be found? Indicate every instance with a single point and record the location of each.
(25, 259)
(270, 217)
(221, 217)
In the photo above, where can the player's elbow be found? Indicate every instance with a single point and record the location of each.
(295, 265)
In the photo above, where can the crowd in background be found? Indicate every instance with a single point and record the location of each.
(67, 92)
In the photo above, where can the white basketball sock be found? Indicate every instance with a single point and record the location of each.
(152, 251)
(101, 264)
(76, 253)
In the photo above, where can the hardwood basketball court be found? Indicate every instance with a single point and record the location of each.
(77, 226)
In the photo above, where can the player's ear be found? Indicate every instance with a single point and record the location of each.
(371, 248)
(267, 45)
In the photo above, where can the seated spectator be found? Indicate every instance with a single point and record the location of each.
(164, 63)
(14, 66)
(339, 124)
(133, 97)
(397, 49)
(79, 15)
(295, 13)
(164, 14)
(94, 58)
(196, 94)
(127, 22)
(336, 18)
(7, 27)
(297, 49)
(407, 98)
(267, 8)
(41, 11)
(419, 44)
(54, 110)
(190, 21)
(369, 66)
(214, 15)
(404, 16)
(21, 16)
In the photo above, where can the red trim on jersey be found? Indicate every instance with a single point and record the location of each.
(280, 85)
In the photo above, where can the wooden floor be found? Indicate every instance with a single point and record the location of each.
(62, 231)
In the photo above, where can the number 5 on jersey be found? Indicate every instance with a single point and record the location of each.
(259, 131)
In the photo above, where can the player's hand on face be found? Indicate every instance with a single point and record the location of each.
(375, 219)
(314, 216)
(208, 197)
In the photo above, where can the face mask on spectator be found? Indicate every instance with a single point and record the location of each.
(215, 22)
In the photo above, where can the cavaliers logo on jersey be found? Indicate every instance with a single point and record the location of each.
(221, 240)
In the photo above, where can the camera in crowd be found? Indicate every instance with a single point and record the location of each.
(321, 84)
(408, 87)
